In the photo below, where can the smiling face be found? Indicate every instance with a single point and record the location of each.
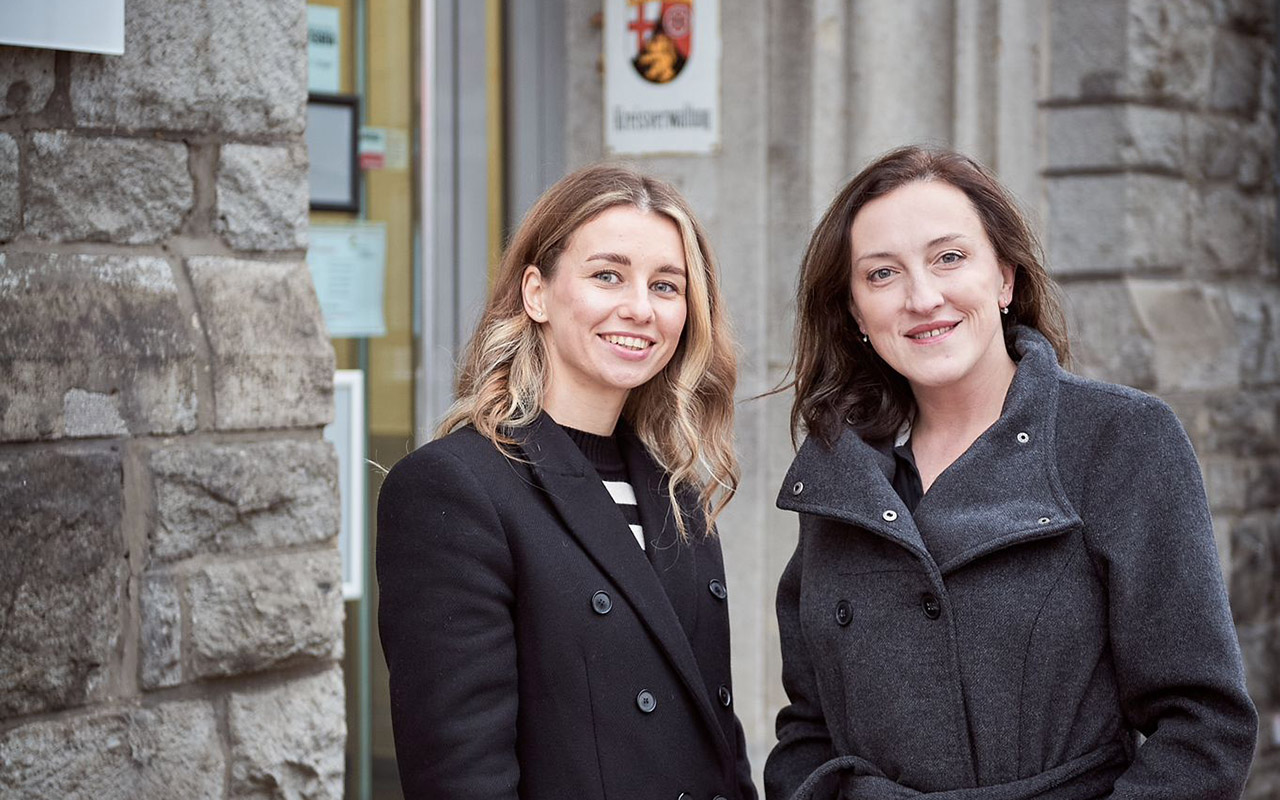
(927, 287)
(612, 313)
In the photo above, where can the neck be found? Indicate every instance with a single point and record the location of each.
(963, 411)
(593, 414)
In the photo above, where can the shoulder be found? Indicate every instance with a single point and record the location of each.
(463, 457)
(1120, 411)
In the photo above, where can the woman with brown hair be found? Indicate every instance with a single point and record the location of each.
(552, 594)
(1006, 574)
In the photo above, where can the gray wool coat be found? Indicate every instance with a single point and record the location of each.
(1069, 599)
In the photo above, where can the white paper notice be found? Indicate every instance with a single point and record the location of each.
(662, 76)
(349, 264)
(324, 49)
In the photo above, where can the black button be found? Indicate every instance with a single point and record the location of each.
(725, 697)
(717, 589)
(685, 796)
(601, 602)
(719, 797)
(645, 701)
(844, 614)
(932, 608)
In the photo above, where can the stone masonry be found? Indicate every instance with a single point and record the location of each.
(1161, 189)
(170, 599)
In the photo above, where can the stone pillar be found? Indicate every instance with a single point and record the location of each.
(170, 599)
(1161, 192)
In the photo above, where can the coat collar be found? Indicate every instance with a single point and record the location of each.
(576, 491)
(1003, 490)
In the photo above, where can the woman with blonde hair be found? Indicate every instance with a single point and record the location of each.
(552, 594)
(1005, 585)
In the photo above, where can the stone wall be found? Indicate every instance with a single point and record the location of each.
(170, 601)
(1161, 192)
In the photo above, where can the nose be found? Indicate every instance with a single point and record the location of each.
(923, 294)
(637, 305)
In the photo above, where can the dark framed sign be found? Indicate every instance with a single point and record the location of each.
(333, 129)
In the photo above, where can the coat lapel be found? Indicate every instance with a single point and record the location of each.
(1002, 491)
(672, 561)
(593, 519)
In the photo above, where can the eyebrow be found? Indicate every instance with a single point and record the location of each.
(944, 239)
(619, 258)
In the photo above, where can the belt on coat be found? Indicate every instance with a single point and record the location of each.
(1087, 777)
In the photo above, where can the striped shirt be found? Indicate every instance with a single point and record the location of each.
(605, 455)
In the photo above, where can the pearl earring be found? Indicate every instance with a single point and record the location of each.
(865, 338)
(1004, 310)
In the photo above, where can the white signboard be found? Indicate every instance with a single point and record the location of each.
(346, 433)
(348, 265)
(324, 53)
(662, 76)
(89, 26)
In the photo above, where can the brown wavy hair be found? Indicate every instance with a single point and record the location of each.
(839, 380)
(683, 415)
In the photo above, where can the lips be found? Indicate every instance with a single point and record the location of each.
(635, 343)
(931, 331)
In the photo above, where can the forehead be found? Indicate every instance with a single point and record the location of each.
(631, 226)
(914, 213)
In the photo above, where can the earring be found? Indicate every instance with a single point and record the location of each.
(865, 339)
(1004, 310)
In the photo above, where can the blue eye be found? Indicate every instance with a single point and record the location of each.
(882, 274)
(951, 257)
(666, 287)
(607, 276)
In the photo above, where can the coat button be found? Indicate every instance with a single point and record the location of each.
(889, 515)
(645, 701)
(601, 602)
(932, 608)
(685, 796)
(719, 797)
(844, 614)
(725, 697)
(797, 487)
(717, 589)
(1023, 437)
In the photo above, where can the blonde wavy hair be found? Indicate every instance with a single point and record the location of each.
(683, 415)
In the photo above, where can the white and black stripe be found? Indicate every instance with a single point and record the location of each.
(605, 455)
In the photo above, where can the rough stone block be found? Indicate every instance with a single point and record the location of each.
(62, 577)
(1170, 49)
(263, 197)
(1257, 324)
(93, 346)
(102, 189)
(209, 65)
(235, 497)
(289, 741)
(1107, 340)
(1255, 565)
(161, 611)
(1116, 136)
(169, 751)
(26, 80)
(1115, 223)
(1236, 82)
(250, 615)
(1087, 50)
(10, 207)
(1229, 229)
(1141, 49)
(1260, 645)
(272, 362)
(1193, 333)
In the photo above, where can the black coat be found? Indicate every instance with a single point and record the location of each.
(1055, 593)
(534, 651)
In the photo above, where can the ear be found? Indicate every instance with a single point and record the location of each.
(1007, 274)
(532, 288)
